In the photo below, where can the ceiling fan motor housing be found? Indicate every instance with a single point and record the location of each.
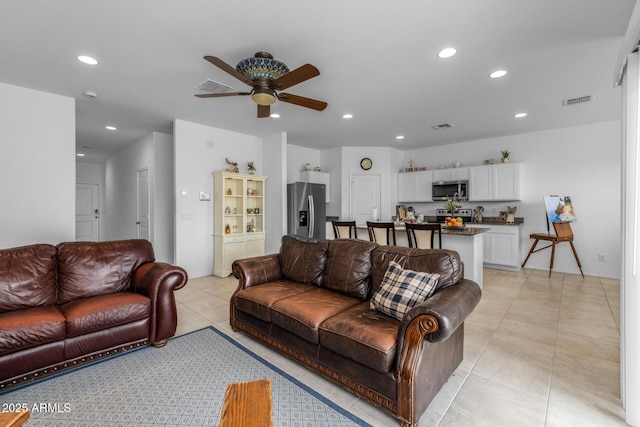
(262, 66)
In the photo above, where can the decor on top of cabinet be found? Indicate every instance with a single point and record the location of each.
(251, 168)
(505, 156)
(317, 169)
(487, 162)
(234, 166)
(307, 166)
(411, 168)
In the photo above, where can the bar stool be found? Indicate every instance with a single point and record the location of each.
(563, 234)
(345, 229)
(383, 233)
(422, 235)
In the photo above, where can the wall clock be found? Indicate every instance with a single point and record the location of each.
(366, 163)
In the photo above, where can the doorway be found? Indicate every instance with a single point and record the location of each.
(143, 220)
(87, 212)
(365, 196)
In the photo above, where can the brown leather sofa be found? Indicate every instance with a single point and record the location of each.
(311, 303)
(81, 301)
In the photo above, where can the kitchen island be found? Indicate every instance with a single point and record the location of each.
(466, 241)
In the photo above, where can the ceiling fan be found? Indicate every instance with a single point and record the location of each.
(267, 77)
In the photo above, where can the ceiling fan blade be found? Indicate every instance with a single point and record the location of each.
(264, 111)
(217, 95)
(302, 101)
(229, 69)
(294, 77)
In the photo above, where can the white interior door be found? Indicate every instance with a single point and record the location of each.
(87, 212)
(365, 195)
(143, 204)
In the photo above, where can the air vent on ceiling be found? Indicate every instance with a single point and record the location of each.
(441, 126)
(211, 86)
(579, 100)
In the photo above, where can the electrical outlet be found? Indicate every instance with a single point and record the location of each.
(602, 258)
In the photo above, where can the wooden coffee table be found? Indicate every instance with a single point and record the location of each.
(247, 404)
(13, 419)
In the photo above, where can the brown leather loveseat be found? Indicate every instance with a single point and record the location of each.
(81, 301)
(311, 302)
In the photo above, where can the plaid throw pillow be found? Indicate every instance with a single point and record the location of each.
(402, 289)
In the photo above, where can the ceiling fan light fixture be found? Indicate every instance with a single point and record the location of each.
(263, 98)
(262, 66)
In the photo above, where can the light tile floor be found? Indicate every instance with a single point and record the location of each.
(539, 351)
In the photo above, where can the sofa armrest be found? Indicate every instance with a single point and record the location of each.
(449, 307)
(158, 281)
(257, 270)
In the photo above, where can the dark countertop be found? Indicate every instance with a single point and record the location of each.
(466, 231)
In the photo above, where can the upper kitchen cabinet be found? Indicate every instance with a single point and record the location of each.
(415, 186)
(495, 182)
(454, 174)
(317, 177)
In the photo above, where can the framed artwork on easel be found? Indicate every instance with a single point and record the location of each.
(559, 209)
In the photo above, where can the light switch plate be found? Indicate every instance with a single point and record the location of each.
(204, 196)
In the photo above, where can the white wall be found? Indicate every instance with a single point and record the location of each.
(297, 158)
(331, 163)
(94, 173)
(582, 162)
(152, 152)
(199, 151)
(275, 159)
(37, 167)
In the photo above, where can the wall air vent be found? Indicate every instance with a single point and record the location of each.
(579, 100)
(211, 86)
(441, 126)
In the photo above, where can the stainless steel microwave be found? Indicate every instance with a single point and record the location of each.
(443, 190)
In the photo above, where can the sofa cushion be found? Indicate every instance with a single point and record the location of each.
(257, 300)
(87, 269)
(444, 262)
(303, 261)
(93, 314)
(349, 267)
(363, 335)
(30, 327)
(301, 314)
(401, 289)
(27, 277)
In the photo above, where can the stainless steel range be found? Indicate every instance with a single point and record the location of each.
(465, 214)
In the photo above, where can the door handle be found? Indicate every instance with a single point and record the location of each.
(137, 222)
(96, 213)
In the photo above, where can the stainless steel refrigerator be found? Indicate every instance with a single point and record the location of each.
(306, 212)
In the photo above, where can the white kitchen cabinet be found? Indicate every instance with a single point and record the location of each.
(453, 174)
(415, 186)
(501, 246)
(317, 177)
(495, 182)
(238, 218)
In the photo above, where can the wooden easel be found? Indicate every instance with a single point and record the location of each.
(563, 234)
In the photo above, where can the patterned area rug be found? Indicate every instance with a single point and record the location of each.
(182, 384)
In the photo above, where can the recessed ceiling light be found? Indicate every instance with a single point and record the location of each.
(110, 127)
(497, 74)
(400, 137)
(447, 52)
(347, 116)
(275, 115)
(80, 155)
(520, 115)
(87, 60)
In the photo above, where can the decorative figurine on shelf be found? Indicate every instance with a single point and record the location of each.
(227, 210)
(251, 227)
(235, 211)
(229, 192)
(234, 166)
(256, 211)
(227, 229)
(251, 168)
